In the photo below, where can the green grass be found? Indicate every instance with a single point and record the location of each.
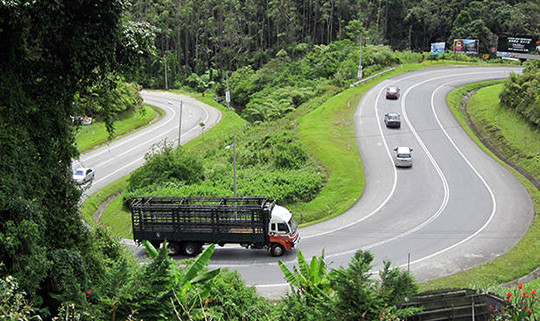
(90, 136)
(328, 133)
(91, 204)
(116, 217)
(511, 130)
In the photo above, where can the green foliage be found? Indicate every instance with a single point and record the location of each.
(101, 101)
(248, 34)
(52, 51)
(360, 297)
(270, 162)
(13, 304)
(350, 293)
(311, 298)
(68, 277)
(522, 305)
(356, 289)
(522, 93)
(232, 299)
(308, 279)
(165, 165)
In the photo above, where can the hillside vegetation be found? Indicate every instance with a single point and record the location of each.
(280, 59)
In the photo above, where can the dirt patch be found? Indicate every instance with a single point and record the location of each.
(101, 208)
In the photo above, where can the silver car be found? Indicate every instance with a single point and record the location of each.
(83, 175)
(403, 156)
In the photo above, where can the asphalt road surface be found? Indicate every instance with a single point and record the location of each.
(454, 209)
(123, 156)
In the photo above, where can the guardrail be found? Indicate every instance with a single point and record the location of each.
(371, 77)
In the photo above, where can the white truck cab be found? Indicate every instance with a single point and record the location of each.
(283, 231)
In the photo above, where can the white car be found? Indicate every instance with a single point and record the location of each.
(403, 156)
(83, 175)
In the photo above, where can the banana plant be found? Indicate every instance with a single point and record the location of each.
(192, 285)
(308, 279)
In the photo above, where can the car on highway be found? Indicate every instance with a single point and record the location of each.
(392, 92)
(403, 156)
(83, 175)
(392, 120)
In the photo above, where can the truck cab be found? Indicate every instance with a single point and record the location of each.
(282, 230)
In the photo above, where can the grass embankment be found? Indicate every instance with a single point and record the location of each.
(91, 136)
(519, 142)
(117, 218)
(327, 132)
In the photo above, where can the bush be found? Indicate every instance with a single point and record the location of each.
(522, 93)
(236, 301)
(166, 165)
(13, 304)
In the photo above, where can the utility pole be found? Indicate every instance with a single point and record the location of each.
(360, 60)
(228, 93)
(165, 60)
(180, 126)
(234, 163)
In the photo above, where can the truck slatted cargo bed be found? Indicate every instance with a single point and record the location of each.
(201, 219)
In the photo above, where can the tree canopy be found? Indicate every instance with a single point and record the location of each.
(195, 36)
(52, 50)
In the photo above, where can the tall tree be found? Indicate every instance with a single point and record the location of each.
(51, 50)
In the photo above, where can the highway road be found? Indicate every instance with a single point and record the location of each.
(454, 209)
(123, 156)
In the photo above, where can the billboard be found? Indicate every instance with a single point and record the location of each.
(467, 46)
(518, 47)
(437, 48)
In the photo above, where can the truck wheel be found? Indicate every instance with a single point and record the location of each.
(190, 248)
(174, 248)
(277, 249)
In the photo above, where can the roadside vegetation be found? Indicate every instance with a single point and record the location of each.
(95, 134)
(282, 62)
(517, 137)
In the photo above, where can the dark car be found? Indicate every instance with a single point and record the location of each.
(392, 92)
(392, 120)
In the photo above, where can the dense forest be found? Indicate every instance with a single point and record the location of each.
(218, 37)
(64, 58)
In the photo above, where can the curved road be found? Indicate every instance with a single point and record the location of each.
(123, 156)
(455, 208)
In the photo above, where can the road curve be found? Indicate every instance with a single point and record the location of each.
(123, 156)
(454, 209)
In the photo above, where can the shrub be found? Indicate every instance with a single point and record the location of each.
(522, 305)
(13, 304)
(166, 165)
(522, 93)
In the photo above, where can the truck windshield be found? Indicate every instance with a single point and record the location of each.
(293, 226)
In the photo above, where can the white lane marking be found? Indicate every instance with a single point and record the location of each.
(446, 188)
(207, 116)
(130, 138)
(386, 200)
(493, 200)
(421, 225)
(443, 205)
(452, 246)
